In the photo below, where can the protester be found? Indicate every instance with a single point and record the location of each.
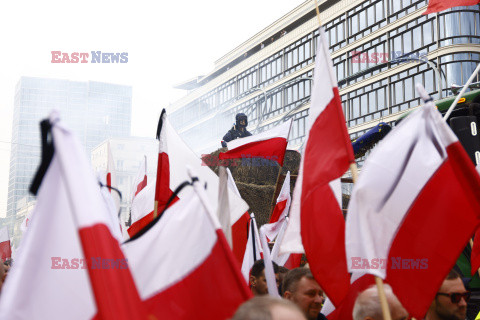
(450, 302)
(268, 308)
(368, 307)
(258, 282)
(301, 288)
(282, 271)
(239, 129)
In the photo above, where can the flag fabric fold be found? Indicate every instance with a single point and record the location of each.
(280, 210)
(140, 181)
(316, 210)
(70, 265)
(195, 275)
(142, 209)
(253, 251)
(417, 187)
(5, 248)
(270, 144)
(239, 227)
(173, 159)
(440, 5)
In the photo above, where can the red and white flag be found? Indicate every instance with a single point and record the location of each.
(239, 227)
(173, 158)
(5, 248)
(140, 181)
(70, 266)
(280, 210)
(253, 251)
(288, 260)
(26, 221)
(413, 209)
(183, 266)
(142, 209)
(440, 5)
(316, 207)
(112, 177)
(270, 144)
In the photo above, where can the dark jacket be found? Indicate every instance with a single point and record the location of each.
(233, 134)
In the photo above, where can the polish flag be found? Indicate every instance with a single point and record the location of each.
(5, 248)
(253, 251)
(475, 254)
(440, 5)
(142, 209)
(26, 221)
(112, 177)
(192, 272)
(413, 209)
(140, 181)
(239, 227)
(270, 144)
(316, 211)
(280, 210)
(173, 158)
(288, 260)
(70, 266)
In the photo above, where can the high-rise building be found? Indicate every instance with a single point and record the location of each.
(94, 111)
(379, 48)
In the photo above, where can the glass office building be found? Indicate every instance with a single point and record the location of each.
(379, 48)
(95, 111)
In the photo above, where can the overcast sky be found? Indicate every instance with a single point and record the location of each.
(167, 42)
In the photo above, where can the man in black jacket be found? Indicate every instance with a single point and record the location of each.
(239, 129)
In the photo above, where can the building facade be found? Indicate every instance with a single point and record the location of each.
(379, 48)
(128, 154)
(94, 111)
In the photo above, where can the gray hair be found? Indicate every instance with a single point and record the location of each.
(367, 303)
(260, 308)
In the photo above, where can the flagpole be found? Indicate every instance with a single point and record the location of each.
(155, 209)
(465, 87)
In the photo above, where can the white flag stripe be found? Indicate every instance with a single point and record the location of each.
(57, 293)
(180, 156)
(184, 249)
(377, 226)
(143, 203)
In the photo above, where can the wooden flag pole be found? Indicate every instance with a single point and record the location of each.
(378, 280)
(155, 209)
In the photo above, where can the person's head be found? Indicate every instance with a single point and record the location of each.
(241, 120)
(282, 271)
(258, 282)
(450, 302)
(367, 305)
(268, 308)
(301, 288)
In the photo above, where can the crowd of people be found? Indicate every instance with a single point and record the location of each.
(303, 298)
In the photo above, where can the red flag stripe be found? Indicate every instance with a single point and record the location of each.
(5, 250)
(277, 211)
(240, 237)
(458, 211)
(272, 149)
(440, 5)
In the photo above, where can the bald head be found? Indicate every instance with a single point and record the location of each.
(367, 306)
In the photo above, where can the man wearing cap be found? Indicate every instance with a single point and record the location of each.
(239, 129)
